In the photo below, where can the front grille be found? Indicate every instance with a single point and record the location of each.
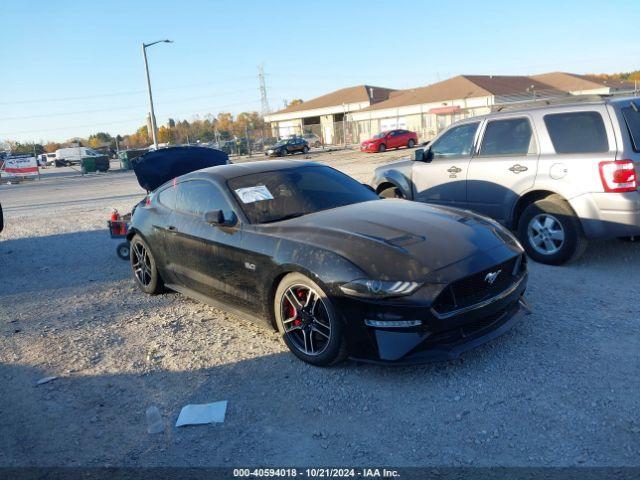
(476, 288)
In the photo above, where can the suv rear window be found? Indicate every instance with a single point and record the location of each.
(577, 132)
(632, 119)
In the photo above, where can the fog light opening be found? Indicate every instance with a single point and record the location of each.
(392, 323)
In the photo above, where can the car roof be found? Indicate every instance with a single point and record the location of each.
(233, 170)
(587, 101)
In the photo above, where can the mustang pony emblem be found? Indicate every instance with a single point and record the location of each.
(491, 277)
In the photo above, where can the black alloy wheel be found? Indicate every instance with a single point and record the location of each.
(307, 321)
(144, 269)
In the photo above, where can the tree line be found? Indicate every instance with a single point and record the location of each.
(208, 129)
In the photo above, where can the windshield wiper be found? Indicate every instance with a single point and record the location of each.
(285, 217)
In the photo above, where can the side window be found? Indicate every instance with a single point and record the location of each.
(167, 197)
(456, 142)
(577, 132)
(198, 196)
(507, 137)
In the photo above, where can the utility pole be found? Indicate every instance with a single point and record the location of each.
(246, 135)
(154, 127)
(263, 91)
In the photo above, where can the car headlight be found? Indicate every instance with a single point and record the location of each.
(367, 288)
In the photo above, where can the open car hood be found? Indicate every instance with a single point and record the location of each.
(157, 167)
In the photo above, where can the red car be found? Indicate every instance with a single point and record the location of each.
(390, 139)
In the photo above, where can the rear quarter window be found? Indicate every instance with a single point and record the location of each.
(577, 132)
(167, 197)
(632, 119)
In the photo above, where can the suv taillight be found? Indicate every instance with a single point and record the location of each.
(618, 176)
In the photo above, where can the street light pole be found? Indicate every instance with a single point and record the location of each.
(154, 128)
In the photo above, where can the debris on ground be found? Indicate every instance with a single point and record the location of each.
(154, 420)
(202, 414)
(44, 380)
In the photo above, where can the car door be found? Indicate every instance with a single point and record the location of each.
(393, 139)
(207, 256)
(504, 166)
(442, 178)
(163, 220)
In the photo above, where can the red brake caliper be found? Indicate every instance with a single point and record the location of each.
(300, 294)
(290, 312)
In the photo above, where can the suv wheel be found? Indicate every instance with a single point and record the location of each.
(550, 232)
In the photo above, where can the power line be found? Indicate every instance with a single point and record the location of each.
(114, 94)
(136, 119)
(44, 115)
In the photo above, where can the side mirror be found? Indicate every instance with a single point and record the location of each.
(422, 155)
(214, 217)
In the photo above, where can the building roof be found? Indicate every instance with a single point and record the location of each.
(462, 86)
(570, 82)
(360, 93)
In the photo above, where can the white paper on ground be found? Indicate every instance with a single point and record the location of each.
(201, 414)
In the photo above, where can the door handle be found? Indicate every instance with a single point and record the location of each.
(517, 168)
(454, 169)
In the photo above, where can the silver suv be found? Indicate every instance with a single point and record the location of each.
(558, 174)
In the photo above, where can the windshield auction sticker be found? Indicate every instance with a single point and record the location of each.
(259, 193)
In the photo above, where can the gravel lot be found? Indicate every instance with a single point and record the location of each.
(560, 389)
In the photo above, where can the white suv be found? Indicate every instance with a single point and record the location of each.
(558, 174)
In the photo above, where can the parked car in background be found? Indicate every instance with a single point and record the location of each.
(49, 159)
(237, 146)
(313, 140)
(313, 253)
(288, 146)
(390, 139)
(557, 174)
(73, 155)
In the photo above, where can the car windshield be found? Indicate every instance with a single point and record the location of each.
(281, 194)
(381, 135)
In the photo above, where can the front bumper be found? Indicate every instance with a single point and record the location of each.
(369, 148)
(437, 339)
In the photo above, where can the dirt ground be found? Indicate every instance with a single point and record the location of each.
(560, 389)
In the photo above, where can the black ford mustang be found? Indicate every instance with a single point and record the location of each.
(337, 270)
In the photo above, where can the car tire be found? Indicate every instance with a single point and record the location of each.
(391, 192)
(304, 328)
(382, 147)
(123, 250)
(145, 271)
(305, 150)
(550, 232)
(282, 153)
(411, 143)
